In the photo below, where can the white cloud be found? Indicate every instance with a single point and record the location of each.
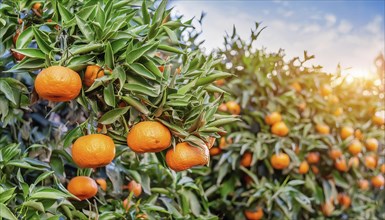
(375, 25)
(330, 20)
(344, 27)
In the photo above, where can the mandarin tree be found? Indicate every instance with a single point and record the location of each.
(303, 154)
(95, 72)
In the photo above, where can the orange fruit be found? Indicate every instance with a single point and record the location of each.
(297, 149)
(141, 216)
(280, 129)
(322, 129)
(371, 162)
(223, 143)
(16, 36)
(378, 181)
(102, 183)
(363, 184)
(371, 144)
(184, 156)
(354, 162)
(273, 118)
(296, 86)
(302, 106)
(358, 134)
(248, 180)
(135, 188)
(254, 215)
(382, 168)
(346, 132)
(355, 147)
(58, 83)
(344, 200)
(335, 153)
(314, 169)
(280, 161)
(92, 72)
(17, 56)
(148, 136)
(220, 82)
(222, 107)
(122, 104)
(340, 165)
(378, 119)
(36, 6)
(303, 167)
(333, 99)
(82, 187)
(246, 159)
(233, 107)
(326, 90)
(327, 208)
(92, 151)
(126, 205)
(339, 111)
(215, 151)
(211, 141)
(313, 157)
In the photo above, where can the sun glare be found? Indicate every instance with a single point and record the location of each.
(359, 73)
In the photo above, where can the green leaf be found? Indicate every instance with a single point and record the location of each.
(158, 15)
(6, 213)
(109, 96)
(142, 71)
(35, 205)
(146, 16)
(78, 63)
(100, 16)
(86, 48)
(4, 108)
(212, 77)
(121, 75)
(85, 29)
(150, 91)
(340, 181)
(48, 193)
(171, 34)
(136, 104)
(24, 38)
(169, 49)
(109, 56)
(42, 177)
(150, 65)
(112, 115)
(7, 195)
(6, 89)
(27, 64)
(72, 135)
(42, 41)
(64, 13)
(31, 52)
(135, 54)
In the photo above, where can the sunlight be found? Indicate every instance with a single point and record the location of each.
(358, 73)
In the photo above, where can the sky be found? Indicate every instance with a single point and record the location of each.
(350, 33)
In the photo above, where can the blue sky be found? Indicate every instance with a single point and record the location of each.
(346, 32)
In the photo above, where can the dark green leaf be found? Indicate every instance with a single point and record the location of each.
(113, 115)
